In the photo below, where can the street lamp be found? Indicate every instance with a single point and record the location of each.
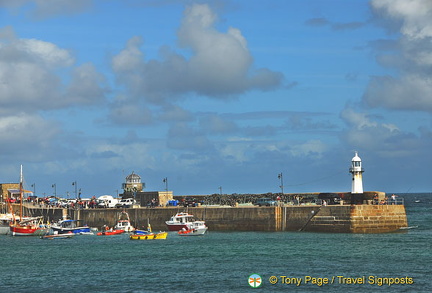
(55, 189)
(76, 193)
(280, 176)
(165, 180)
(34, 189)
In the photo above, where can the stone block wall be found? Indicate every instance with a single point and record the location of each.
(377, 218)
(333, 219)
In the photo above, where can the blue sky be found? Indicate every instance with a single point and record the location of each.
(214, 94)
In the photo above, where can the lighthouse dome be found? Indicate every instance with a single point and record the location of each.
(356, 158)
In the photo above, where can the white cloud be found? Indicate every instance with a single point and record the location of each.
(410, 56)
(220, 65)
(26, 136)
(48, 53)
(411, 92)
(385, 139)
(415, 15)
(34, 76)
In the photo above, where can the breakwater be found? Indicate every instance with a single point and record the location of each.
(334, 218)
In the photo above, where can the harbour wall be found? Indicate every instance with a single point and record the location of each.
(313, 218)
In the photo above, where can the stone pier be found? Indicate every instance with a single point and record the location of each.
(333, 218)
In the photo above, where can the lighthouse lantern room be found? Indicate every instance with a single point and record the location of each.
(356, 170)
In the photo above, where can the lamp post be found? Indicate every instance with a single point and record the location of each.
(76, 193)
(55, 189)
(34, 189)
(165, 180)
(280, 176)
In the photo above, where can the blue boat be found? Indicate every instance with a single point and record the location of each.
(69, 226)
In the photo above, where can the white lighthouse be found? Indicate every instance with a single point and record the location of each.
(356, 170)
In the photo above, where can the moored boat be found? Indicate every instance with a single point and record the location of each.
(58, 236)
(123, 223)
(110, 232)
(184, 221)
(149, 236)
(69, 226)
(195, 229)
(29, 226)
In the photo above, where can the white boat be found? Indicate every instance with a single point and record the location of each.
(195, 229)
(185, 221)
(67, 226)
(5, 221)
(123, 223)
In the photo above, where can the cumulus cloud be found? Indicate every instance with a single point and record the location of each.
(409, 55)
(30, 79)
(413, 17)
(220, 65)
(26, 136)
(385, 139)
(410, 92)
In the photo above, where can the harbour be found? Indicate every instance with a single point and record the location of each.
(357, 211)
(313, 218)
(223, 260)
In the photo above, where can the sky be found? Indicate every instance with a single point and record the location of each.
(215, 96)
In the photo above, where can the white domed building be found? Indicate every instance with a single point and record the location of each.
(133, 183)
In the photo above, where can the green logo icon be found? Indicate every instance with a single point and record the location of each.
(255, 280)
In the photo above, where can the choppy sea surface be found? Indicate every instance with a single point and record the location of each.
(225, 261)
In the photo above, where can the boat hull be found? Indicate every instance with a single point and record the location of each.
(108, 233)
(150, 236)
(58, 236)
(77, 230)
(28, 231)
(176, 227)
(193, 232)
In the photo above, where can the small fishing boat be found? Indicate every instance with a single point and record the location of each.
(29, 227)
(183, 221)
(110, 232)
(6, 220)
(58, 236)
(195, 229)
(149, 236)
(123, 223)
(26, 226)
(66, 226)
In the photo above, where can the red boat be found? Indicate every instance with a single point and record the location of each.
(27, 229)
(184, 221)
(28, 226)
(110, 232)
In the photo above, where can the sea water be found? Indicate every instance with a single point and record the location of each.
(227, 261)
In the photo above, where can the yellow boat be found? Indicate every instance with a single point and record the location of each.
(160, 235)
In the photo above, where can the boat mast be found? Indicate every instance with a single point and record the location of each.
(21, 193)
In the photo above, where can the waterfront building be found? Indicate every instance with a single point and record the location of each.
(133, 183)
(9, 190)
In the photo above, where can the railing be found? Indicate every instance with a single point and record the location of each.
(390, 201)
